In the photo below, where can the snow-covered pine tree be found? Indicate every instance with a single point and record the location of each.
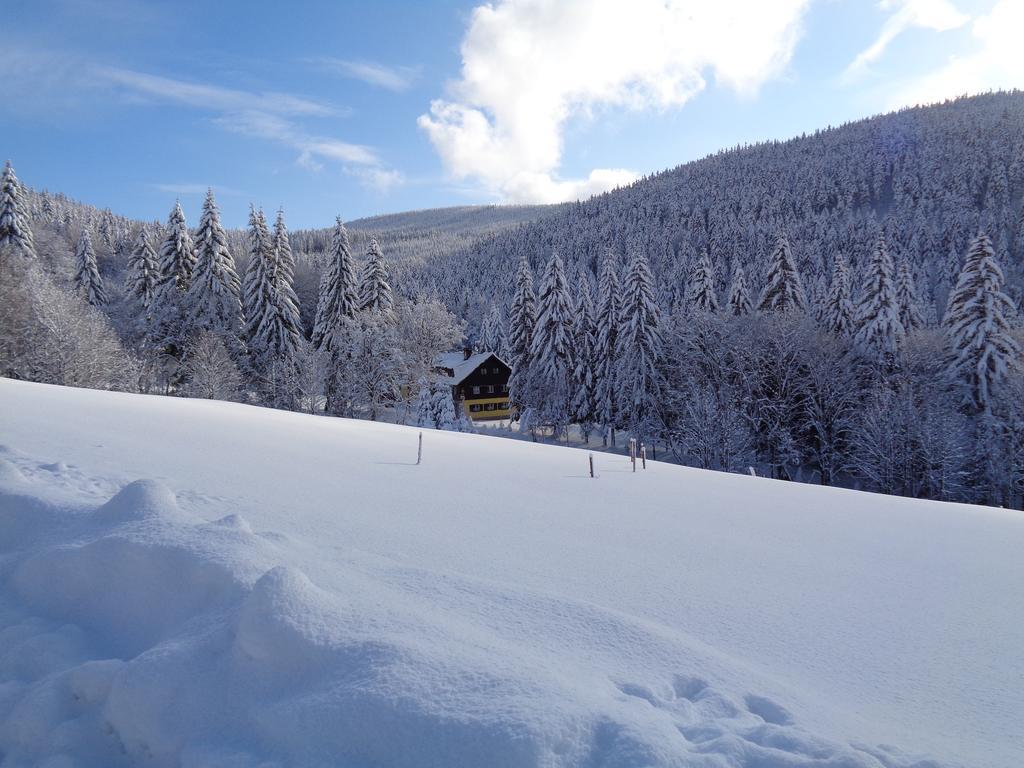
(284, 274)
(424, 404)
(522, 320)
(492, 332)
(258, 280)
(142, 271)
(178, 253)
(783, 290)
(838, 309)
(88, 282)
(443, 407)
(552, 347)
(584, 380)
(607, 324)
(271, 331)
(739, 304)
(213, 300)
(14, 227)
(167, 330)
(701, 295)
(879, 330)
(639, 348)
(338, 296)
(976, 322)
(906, 297)
(374, 286)
(283, 246)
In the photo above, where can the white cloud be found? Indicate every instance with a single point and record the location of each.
(270, 116)
(211, 96)
(190, 189)
(380, 180)
(382, 75)
(995, 62)
(311, 148)
(937, 15)
(528, 66)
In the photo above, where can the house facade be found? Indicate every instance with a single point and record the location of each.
(479, 383)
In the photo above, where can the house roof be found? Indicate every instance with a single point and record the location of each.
(461, 366)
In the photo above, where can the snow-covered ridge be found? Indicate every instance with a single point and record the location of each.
(197, 583)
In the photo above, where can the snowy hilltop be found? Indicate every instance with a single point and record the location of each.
(198, 583)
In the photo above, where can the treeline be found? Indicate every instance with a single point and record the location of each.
(182, 320)
(837, 389)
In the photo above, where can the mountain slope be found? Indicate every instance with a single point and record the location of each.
(927, 178)
(199, 583)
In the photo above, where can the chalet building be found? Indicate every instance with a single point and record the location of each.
(479, 383)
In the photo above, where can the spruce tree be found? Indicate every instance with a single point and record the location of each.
(639, 347)
(607, 322)
(739, 304)
(374, 288)
(272, 329)
(213, 298)
(492, 332)
(87, 276)
(701, 296)
(977, 325)
(783, 290)
(521, 322)
(584, 380)
(142, 271)
(177, 254)
(838, 310)
(443, 407)
(551, 349)
(424, 404)
(879, 330)
(14, 227)
(337, 297)
(284, 274)
(258, 280)
(906, 298)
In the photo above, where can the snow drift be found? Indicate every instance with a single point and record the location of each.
(204, 584)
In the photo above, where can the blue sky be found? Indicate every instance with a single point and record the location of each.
(362, 108)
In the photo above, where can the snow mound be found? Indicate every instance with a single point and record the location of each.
(136, 571)
(173, 651)
(285, 622)
(10, 475)
(138, 501)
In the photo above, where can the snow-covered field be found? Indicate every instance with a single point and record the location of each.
(196, 583)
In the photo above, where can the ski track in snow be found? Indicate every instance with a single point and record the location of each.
(153, 622)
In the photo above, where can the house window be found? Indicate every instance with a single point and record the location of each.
(476, 390)
(494, 371)
(490, 389)
(474, 408)
(489, 407)
(503, 406)
(504, 388)
(483, 371)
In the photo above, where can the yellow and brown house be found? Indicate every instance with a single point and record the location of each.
(479, 383)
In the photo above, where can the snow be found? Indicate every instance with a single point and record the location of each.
(197, 583)
(460, 365)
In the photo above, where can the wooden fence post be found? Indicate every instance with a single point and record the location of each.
(643, 455)
(419, 450)
(591, 465)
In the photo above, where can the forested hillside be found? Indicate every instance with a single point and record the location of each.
(926, 178)
(843, 308)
